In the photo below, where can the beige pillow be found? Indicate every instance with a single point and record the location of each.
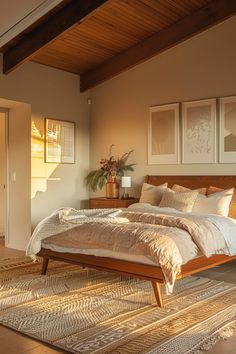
(152, 194)
(200, 197)
(178, 188)
(182, 201)
(216, 203)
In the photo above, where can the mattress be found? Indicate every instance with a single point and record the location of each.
(100, 253)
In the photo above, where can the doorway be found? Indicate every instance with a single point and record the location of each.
(3, 175)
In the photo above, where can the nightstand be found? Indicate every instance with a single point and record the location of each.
(99, 203)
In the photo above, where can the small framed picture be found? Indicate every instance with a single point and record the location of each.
(228, 129)
(163, 134)
(59, 141)
(199, 131)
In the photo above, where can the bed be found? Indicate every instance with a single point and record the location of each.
(151, 272)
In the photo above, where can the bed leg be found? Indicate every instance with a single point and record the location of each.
(157, 292)
(45, 265)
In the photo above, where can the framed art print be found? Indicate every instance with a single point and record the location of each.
(199, 131)
(59, 141)
(228, 129)
(163, 134)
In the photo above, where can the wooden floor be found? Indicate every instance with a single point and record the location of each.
(14, 343)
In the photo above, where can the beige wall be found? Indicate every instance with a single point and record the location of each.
(52, 93)
(201, 67)
(2, 171)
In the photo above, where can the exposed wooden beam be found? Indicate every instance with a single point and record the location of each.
(55, 25)
(209, 15)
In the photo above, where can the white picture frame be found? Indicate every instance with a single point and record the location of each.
(59, 141)
(199, 132)
(227, 130)
(163, 134)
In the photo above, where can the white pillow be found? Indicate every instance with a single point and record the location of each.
(216, 203)
(152, 194)
(182, 201)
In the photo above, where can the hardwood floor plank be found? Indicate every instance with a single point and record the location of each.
(45, 349)
(3, 331)
(9, 252)
(15, 343)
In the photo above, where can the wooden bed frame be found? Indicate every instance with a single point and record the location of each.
(151, 272)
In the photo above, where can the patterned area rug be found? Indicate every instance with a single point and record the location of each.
(85, 311)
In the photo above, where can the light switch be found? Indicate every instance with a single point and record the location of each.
(13, 176)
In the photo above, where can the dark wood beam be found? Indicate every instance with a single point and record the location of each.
(207, 16)
(55, 25)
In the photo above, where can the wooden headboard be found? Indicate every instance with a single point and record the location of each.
(193, 182)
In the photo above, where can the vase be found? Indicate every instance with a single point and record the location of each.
(112, 188)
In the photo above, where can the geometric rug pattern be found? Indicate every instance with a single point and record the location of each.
(87, 311)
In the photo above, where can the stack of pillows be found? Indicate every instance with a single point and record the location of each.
(209, 200)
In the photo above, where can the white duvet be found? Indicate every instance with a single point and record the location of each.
(226, 225)
(168, 237)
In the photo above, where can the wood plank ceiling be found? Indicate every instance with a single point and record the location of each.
(118, 34)
(115, 27)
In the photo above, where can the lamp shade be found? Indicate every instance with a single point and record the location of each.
(126, 181)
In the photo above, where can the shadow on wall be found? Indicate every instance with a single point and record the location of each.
(52, 185)
(40, 171)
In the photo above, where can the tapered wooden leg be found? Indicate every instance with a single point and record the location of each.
(45, 265)
(157, 292)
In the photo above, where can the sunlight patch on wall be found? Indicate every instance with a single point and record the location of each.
(41, 172)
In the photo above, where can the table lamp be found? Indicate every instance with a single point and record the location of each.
(125, 183)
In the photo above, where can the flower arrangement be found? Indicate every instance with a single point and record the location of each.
(110, 166)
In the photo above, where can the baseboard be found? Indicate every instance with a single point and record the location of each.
(15, 247)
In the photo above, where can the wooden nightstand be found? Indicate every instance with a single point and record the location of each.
(97, 203)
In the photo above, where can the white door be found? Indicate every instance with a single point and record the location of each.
(2, 173)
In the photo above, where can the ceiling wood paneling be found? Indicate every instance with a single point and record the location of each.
(47, 31)
(180, 30)
(115, 27)
(118, 35)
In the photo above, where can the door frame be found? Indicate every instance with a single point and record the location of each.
(6, 163)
